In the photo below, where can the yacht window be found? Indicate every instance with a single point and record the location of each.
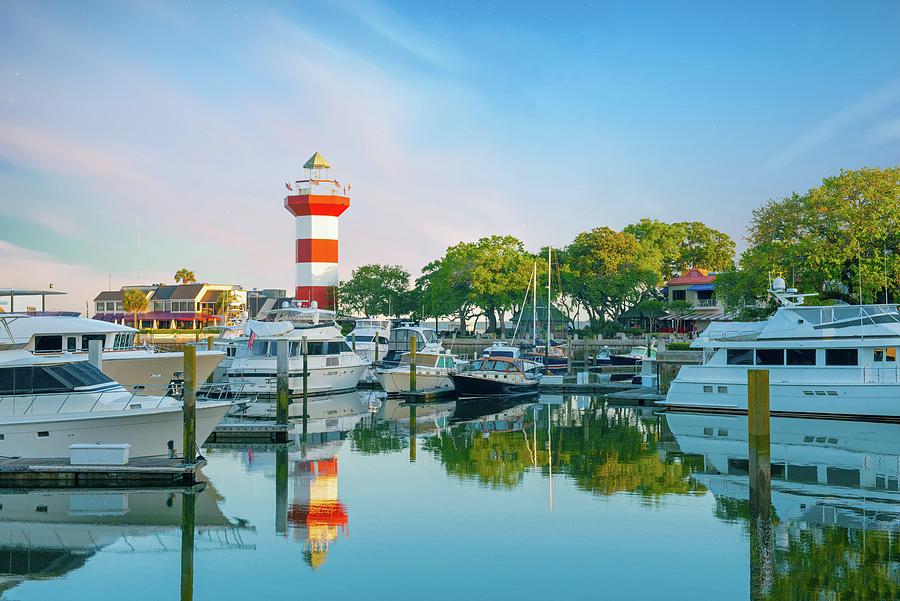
(259, 348)
(44, 380)
(801, 356)
(740, 356)
(886, 354)
(722, 389)
(429, 335)
(707, 389)
(296, 349)
(48, 344)
(316, 348)
(707, 431)
(86, 340)
(71, 344)
(82, 373)
(837, 476)
(363, 338)
(22, 380)
(382, 340)
(841, 356)
(769, 356)
(803, 473)
(476, 365)
(339, 346)
(6, 380)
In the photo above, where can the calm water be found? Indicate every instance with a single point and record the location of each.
(563, 498)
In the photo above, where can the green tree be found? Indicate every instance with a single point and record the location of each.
(135, 301)
(672, 248)
(501, 270)
(448, 281)
(606, 271)
(185, 276)
(839, 239)
(377, 290)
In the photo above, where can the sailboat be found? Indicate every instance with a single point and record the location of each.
(553, 356)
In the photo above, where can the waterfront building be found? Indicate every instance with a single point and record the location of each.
(316, 204)
(696, 287)
(178, 306)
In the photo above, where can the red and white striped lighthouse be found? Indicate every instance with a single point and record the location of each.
(316, 204)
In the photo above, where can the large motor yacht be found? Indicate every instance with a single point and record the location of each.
(828, 361)
(50, 402)
(137, 368)
(333, 366)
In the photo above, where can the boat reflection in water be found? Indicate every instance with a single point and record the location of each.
(831, 529)
(48, 534)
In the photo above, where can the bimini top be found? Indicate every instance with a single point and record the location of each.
(799, 323)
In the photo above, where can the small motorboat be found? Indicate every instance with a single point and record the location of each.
(433, 370)
(633, 357)
(499, 375)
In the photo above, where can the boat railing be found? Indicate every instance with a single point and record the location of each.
(118, 393)
(881, 375)
(730, 335)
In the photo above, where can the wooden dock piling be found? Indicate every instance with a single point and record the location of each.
(758, 437)
(281, 489)
(282, 382)
(412, 364)
(762, 543)
(189, 408)
(304, 348)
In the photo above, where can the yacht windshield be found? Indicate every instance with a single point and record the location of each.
(45, 379)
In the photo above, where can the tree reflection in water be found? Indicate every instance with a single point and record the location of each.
(604, 450)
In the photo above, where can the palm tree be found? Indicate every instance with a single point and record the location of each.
(185, 276)
(135, 301)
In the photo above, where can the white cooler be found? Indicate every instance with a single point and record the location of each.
(99, 454)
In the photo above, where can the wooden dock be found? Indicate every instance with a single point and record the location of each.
(246, 432)
(641, 396)
(59, 473)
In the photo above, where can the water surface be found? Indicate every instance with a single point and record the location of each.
(549, 498)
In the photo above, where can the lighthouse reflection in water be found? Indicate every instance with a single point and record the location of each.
(554, 487)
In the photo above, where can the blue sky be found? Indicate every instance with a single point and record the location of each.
(137, 138)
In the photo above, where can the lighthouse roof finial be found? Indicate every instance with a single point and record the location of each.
(316, 161)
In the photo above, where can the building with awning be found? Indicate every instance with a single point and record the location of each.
(697, 288)
(178, 306)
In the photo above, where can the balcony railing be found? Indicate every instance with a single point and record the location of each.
(706, 302)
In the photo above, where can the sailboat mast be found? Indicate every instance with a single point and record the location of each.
(549, 272)
(534, 304)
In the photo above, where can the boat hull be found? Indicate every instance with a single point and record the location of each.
(323, 380)
(468, 385)
(148, 431)
(398, 381)
(880, 402)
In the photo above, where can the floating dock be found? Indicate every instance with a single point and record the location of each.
(59, 473)
(641, 396)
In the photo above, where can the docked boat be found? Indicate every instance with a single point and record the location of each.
(633, 357)
(554, 358)
(368, 334)
(399, 342)
(433, 370)
(499, 375)
(49, 402)
(137, 368)
(824, 361)
(333, 366)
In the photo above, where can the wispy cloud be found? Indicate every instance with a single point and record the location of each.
(852, 115)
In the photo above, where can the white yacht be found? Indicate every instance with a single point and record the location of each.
(333, 366)
(433, 370)
(138, 368)
(398, 343)
(369, 333)
(827, 361)
(50, 402)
